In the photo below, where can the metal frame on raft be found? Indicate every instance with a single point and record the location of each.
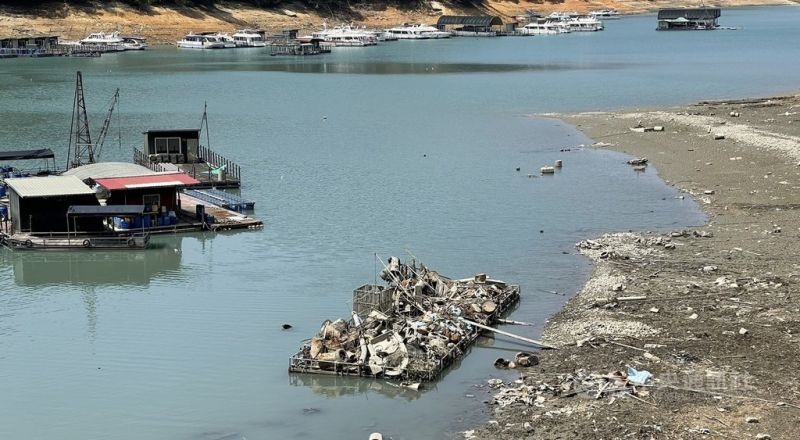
(370, 295)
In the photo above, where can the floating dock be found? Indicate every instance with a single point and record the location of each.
(221, 198)
(411, 330)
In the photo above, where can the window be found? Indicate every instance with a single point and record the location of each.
(170, 145)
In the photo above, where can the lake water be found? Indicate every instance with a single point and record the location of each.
(404, 147)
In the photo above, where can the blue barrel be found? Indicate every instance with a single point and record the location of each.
(2, 190)
(4, 211)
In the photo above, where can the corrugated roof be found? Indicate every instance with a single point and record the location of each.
(154, 181)
(52, 186)
(108, 169)
(44, 153)
(470, 20)
(690, 13)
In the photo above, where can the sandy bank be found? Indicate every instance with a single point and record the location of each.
(712, 312)
(166, 25)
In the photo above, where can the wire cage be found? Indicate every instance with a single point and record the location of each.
(371, 297)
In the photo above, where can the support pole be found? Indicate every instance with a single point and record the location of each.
(510, 335)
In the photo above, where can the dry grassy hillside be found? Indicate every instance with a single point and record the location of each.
(165, 25)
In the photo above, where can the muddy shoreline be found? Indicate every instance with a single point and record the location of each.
(712, 312)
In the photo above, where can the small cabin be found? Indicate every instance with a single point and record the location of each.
(688, 19)
(172, 146)
(40, 204)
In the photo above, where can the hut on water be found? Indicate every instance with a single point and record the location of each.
(688, 19)
(472, 25)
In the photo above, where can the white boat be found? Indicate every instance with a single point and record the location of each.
(544, 27)
(562, 15)
(345, 36)
(584, 24)
(382, 35)
(248, 38)
(226, 39)
(418, 32)
(102, 39)
(198, 41)
(134, 43)
(605, 14)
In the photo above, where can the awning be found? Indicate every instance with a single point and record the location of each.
(105, 211)
(44, 153)
(152, 181)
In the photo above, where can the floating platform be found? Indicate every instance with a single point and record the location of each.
(222, 198)
(24, 241)
(410, 331)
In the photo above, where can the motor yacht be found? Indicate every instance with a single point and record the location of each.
(248, 38)
(418, 32)
(201, 41)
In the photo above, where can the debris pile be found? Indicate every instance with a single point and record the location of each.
(593, 386)
(411, 330)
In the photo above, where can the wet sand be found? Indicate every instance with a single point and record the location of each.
(715, 315)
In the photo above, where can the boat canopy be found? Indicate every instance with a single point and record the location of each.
(470, 20)
(44, 153)
(105, 211)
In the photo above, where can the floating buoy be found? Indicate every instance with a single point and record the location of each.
(559, 164)
(548, 170)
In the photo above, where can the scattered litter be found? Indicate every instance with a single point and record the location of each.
(751, 419)
(639, 161)
(743, 331)
(719, 137)
(411, 330)
(594, 386)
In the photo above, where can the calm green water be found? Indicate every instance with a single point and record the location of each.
(406, 146)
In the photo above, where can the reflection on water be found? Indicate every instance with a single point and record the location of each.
(393, 68)
(32, 269)
(337, 386)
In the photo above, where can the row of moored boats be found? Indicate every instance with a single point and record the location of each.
(349, 35)
(344, 35)
(566, 22)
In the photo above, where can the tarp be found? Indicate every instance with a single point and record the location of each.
(44, 153)
(105, 211)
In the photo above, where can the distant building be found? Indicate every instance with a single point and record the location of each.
(688, 19)
(39, 42)
(471, 25)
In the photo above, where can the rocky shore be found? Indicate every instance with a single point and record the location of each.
(712, 313)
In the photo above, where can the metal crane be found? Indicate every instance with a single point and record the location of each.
(81, 149)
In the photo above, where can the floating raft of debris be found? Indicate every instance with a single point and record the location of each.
(411, 330)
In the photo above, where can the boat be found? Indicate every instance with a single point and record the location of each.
(605, 14)
(102, 39)
(382, 35)
(345, 36)
(544, 27)
(248, 38)
(226, 39)
(417, 32)
(584, 24)
(134, 43)
(198, 41)
(561, 16)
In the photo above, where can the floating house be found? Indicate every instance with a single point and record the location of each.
(688, 19)
(39, 205)
(469, 25)
(180, 151)
(35, 45)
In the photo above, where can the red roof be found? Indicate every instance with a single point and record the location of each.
(148, 181)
